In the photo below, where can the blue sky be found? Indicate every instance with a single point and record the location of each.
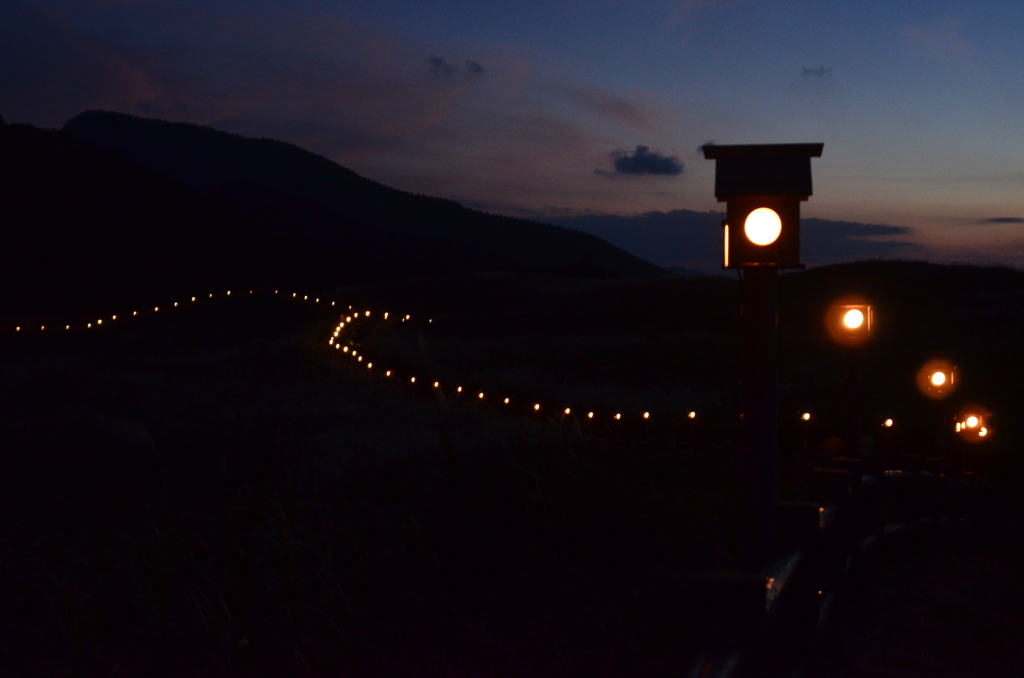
(523, 107)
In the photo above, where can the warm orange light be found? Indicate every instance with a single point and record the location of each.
(537, 406)
(853, 318)
(337, 346)
(229, 293)
(360, 358)
(156, 308)
(506, 401)
(369, 365)
(175, 303)
(972, 421)
(618, 416)
(647, 415)
(458, 389)
(983, 432)
(100, 321)
(413, 380)
(590, 415)
(938, 378)
(887, 423)
(436, 384)
(385, 316)
(806, 416)
(113, 317)
(42, 327)
(135, 312)
(762, 226)
(567, 410)
(480, 395)
(67, 327)
(346, 349)
(692, 415)
(388, 373)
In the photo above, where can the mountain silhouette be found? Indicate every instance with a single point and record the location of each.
(392, 233)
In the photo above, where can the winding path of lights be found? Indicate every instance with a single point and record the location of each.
(346, 322)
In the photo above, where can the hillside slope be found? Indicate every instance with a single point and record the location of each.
(296, 191)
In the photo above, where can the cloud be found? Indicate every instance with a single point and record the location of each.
(611, 106)
(819, 72)
(438, 66)
(693, 240)
(643, 161)
(474, 67)
(1003, 220)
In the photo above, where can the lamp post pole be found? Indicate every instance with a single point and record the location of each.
(759, 402)
(853, 394)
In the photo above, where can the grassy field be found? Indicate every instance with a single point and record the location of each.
(218, 492)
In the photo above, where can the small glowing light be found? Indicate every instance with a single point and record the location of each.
(113, 317)
(175, 303)
(211, 296)
(293, 295)
(821, 509)
(330, 341)
(67, 327)
(436, 384)
(250, 291)
(647, 415)
(806, 416)
(388, 373)
(369, 365)
(887, 423)
(413, 380)
(156, 308)
(407, 317)
(337, 346)
(100, 321)
(481, 395)
(506, 401)
(618, 416)
(317, 301)
(360, 358)
(938, 378)
(367, 314)
(983, 431)
(958, 427)
(275, 291)
(972, 421)
(229, 293)
(346, 349)
(853, 319)
(193, 298)
(354, 352)
(536, 407)
(567, 410)
(590, 415)
(431, 320)
(135, 312)
(385, 316)
(458, 389)
(332, 303)
(42, 327)
(692, 414)
(305, 298)
(348, 318)
(763, 226)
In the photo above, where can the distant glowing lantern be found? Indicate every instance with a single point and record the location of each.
(369, 365)
(436, 384)
(458, 389)
(983, 432)
(850, 322)
(413, 380)
(567, 410)
(100, 321)
(762, 226)
(536, 407)
(692, 414)
(937, 379)
(618, 416)
(590, 415)
(506, 401)
(385, 316)
(388, 373)
(806, 416)
(481, 395)
(887, 423)
(647, 415)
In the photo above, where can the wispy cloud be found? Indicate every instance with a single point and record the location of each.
(611, 106)
(474, 67)
(940, 40)
(439, 66)
(819, 72)
(1002, 220)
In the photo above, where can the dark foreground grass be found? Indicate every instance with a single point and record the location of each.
(213, 494)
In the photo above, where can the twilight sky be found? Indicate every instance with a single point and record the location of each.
(576, 109)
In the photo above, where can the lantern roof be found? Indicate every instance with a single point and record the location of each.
(762, 169)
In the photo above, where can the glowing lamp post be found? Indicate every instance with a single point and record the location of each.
(762, 186)
(850, 325)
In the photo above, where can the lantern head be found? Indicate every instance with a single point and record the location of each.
(762, 186)
(850, 323)
(937, 379)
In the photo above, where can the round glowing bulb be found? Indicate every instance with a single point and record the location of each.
(537, 406)
(436, 384)
(888, 423)
(972, 421)
(413, 380)
(567, 410)
(853, 319)
(388, 373)
(806, 416)
(369, 365)
(590, 415)
(647, 415)
(763, 226)
(618, 416)
(506, 401)
(480, 395)
(692, 415)
(458, 389)
(938, 378)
